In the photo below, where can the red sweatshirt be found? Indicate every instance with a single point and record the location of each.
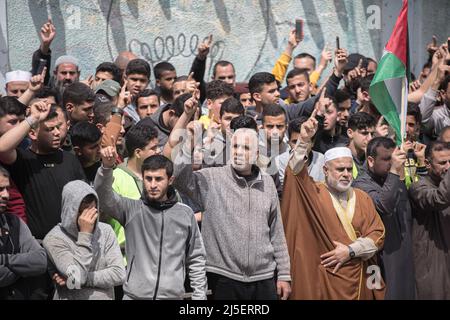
(16, 205)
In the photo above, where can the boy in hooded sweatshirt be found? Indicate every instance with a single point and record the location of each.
(163, 240)
(84, 251)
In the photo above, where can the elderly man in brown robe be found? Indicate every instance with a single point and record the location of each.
(332, 230)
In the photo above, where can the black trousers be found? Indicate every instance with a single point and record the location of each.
(224, 288)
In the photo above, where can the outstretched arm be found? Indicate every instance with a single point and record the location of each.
(179, 131)
(186, 181)
(36, 83)
(282, 64)
(198, 67)
(110, 202)
(304, 143)
(11, 139)
(47, 34)
(439, 57)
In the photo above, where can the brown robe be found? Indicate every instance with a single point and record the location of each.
(311, 225)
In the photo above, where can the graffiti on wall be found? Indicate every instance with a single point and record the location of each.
(249, 33)
(165, 49)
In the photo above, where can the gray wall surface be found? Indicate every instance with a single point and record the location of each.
(249, 33)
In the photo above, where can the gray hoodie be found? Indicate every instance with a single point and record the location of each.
(93, 262)
(162, 242)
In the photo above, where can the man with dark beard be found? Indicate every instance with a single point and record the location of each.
(66, 69)
(66, 72)
(163, 239)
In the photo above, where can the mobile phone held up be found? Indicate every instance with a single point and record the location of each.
(320, 121)
(42, 64)
(299, 29)
(338, 46)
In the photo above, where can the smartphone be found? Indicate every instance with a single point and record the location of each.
(320, 121)
(337, 43)
(42, 64)
(299, 29)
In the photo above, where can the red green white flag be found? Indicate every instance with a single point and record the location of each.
(389, 87)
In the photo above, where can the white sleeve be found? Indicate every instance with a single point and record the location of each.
(299, 156)
(364, 248)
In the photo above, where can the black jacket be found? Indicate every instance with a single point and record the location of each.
(391, 200)
(431, 236)
(37, 56)
(198, 68)
(305, 108)
(21, 259)
(323, 141)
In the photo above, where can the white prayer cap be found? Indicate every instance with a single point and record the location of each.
(338, 152)
(66, 59)
(17, 75)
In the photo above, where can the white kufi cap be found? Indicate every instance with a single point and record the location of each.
(17, 75)
(338, 152)
(66, 59)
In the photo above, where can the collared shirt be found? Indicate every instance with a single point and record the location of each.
(132, 113)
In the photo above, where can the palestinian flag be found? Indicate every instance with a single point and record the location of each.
(389, 87)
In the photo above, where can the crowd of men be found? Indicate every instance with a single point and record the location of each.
(290, 186)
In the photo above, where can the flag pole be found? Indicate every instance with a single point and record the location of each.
(404, 109)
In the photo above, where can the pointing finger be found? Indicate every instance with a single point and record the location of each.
(314, 113)
(43, 73)
(360, 63)
(124, 87)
